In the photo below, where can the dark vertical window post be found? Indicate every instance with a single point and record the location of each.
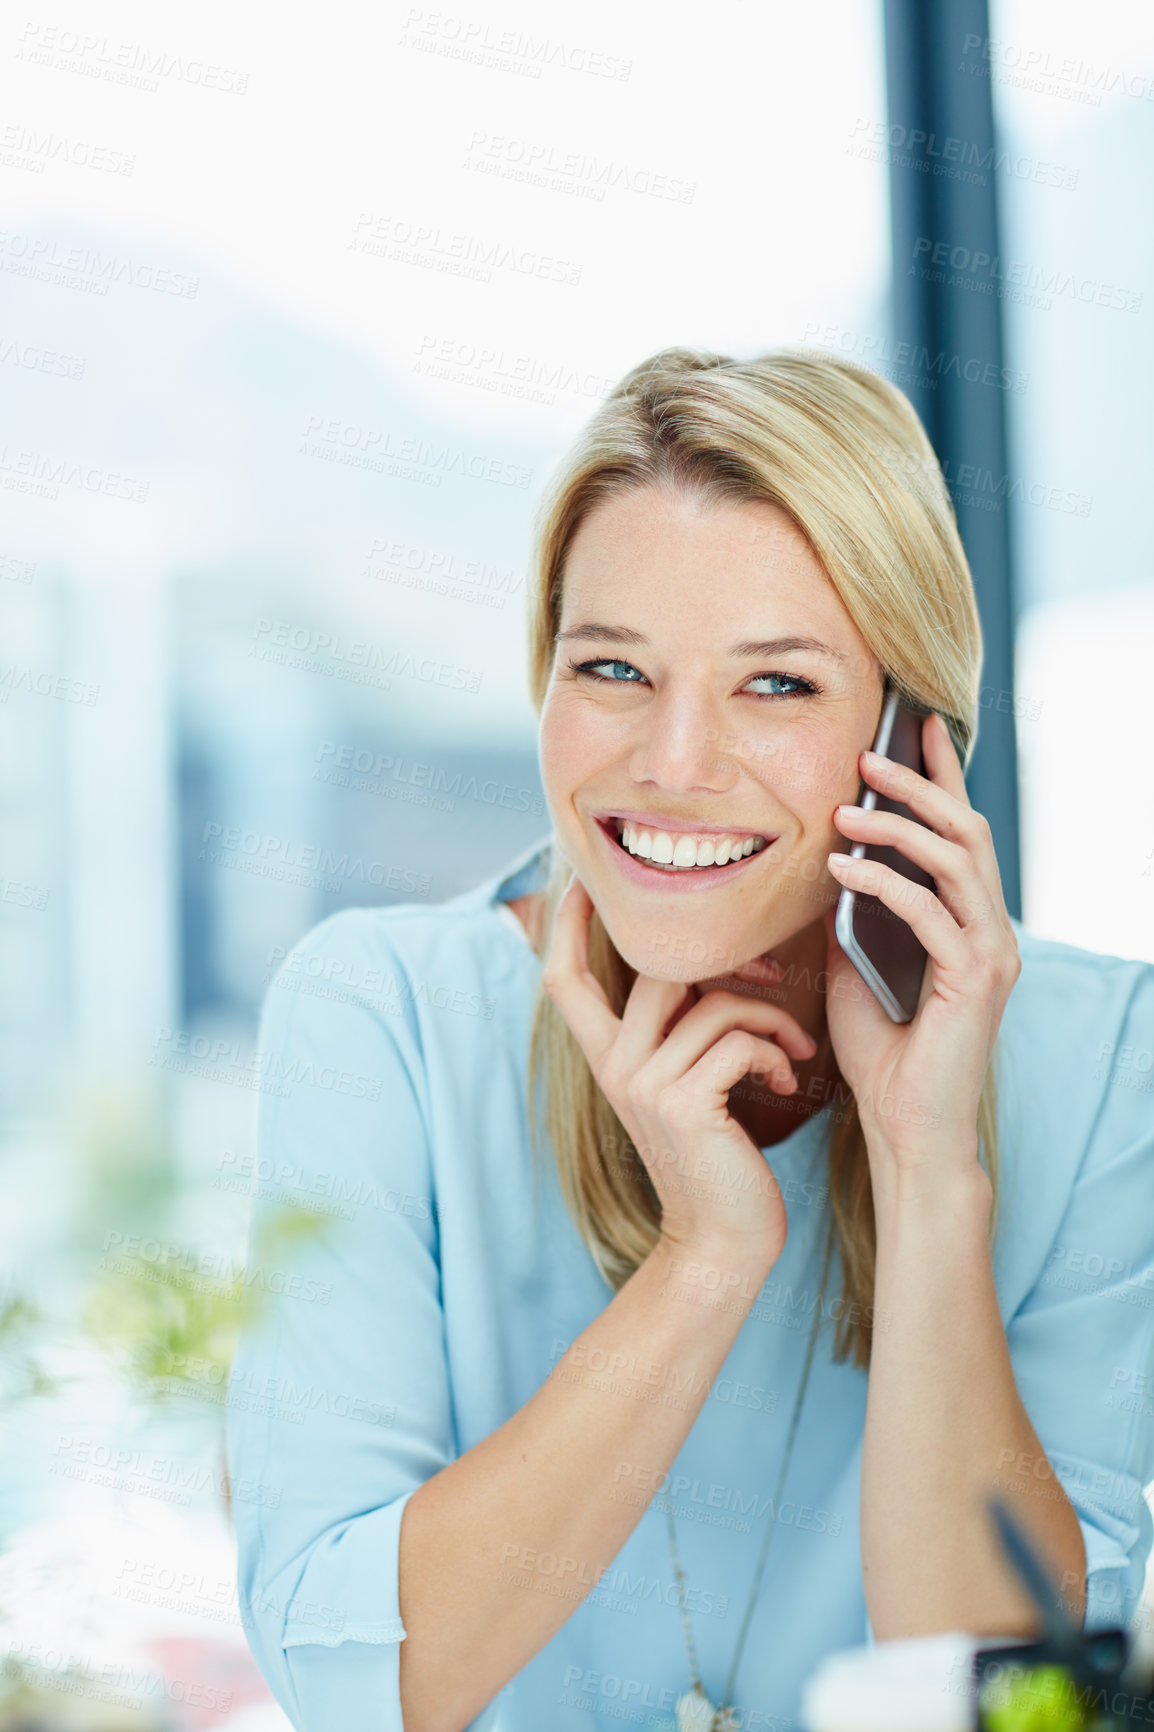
(947, 338)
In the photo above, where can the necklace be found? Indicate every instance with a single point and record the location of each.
(695, 1712)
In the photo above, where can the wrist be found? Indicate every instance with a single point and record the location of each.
(935, 1193)
(713, 1267)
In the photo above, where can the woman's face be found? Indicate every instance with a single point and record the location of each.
(710, 725)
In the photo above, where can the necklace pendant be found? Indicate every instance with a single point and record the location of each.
(725, 1721)
(695, 1712)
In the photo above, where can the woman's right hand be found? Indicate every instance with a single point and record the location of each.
(666, 1066)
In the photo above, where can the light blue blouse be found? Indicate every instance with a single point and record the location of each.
(442, 1289)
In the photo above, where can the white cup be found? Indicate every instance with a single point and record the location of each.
(921, 1684)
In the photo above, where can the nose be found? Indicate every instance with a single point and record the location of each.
(677, 747)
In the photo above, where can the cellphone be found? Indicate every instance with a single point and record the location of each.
(884, 949)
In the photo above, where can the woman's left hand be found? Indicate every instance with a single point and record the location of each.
(918, 1084)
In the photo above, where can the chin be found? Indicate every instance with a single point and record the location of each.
(684, 950)
(676, 952)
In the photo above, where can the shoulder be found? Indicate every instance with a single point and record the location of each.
(1074, 1074)
(418, 968)
(419, 929)
(1050, 956)
(397, 932)
(1065, 993)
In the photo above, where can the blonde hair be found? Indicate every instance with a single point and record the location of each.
(841, 451)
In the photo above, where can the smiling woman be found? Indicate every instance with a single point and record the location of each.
(797, 495)
(683, 1138)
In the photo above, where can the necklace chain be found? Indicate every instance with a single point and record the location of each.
(722, 1717)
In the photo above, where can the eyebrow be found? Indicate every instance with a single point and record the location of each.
(753, 650)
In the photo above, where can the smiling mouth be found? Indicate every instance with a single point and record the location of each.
(641, 845)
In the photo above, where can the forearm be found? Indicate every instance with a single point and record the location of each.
(499, 1548)
(945, 1429)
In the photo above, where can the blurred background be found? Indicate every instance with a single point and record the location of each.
(297, 317)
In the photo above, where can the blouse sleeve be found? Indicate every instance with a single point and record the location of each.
(1082, 1341)
(339, 1403)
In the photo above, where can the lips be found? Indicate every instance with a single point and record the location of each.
(643, 870)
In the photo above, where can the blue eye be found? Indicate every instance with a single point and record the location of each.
(803, 688)
(586, 668)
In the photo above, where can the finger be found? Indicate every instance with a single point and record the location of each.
(567, 978)
(946, 809)
(938, 931)
(945, 768)
(712, 1018)
(654, 1007)
(736, 1055)
(944, 812)
(941, 758)
(582, 1000)
(950, 815)
(960, 884)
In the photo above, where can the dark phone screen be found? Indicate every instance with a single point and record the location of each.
(889, 943)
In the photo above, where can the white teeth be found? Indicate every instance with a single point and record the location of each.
(687, 852)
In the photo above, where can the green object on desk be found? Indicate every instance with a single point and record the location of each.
(1044, 1700)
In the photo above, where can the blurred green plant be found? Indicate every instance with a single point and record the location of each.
(23, 1375)
(69, 1701)
(172, 1329)
(126, 1171)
